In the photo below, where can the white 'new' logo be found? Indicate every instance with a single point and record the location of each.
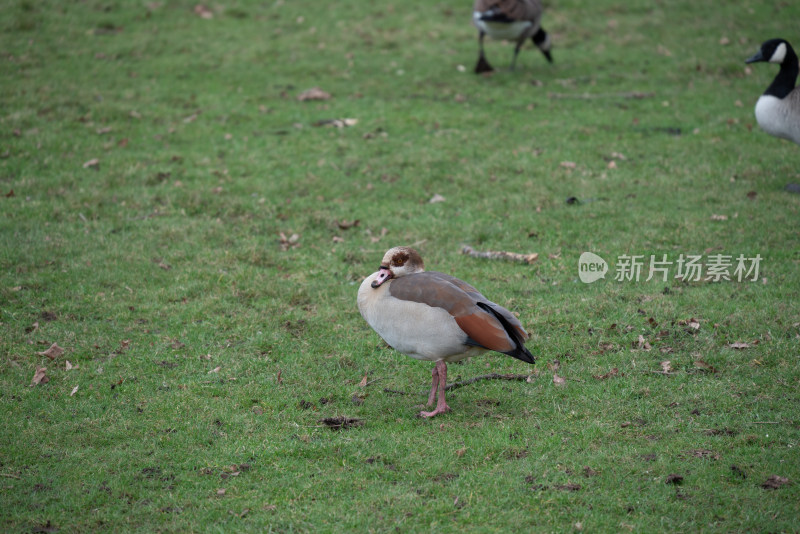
(591, 267)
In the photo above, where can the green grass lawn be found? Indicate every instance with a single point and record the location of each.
(151, 159)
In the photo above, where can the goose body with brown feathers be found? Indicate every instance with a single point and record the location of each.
(514, 20)
(435, 317)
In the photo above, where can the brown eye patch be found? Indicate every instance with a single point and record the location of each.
(400, 258)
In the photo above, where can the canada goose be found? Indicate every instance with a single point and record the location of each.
(512, 20)
(435, 317)
(778, 109)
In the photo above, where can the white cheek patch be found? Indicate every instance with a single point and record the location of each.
(778, 54)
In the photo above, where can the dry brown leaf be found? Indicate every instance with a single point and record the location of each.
(568, 164)
(691, 326)
(203, 12)
(344, 224)
(290, 242)
(700, 364)
(215, 369)
(74, 391)
(315, 93)
(53, 352)
(643, 344)
(40, 376)
(221, 492)
(337, 239)
(553, 365)
(774, 482)
(461, 452)
(559, 381)
(739, 345)
(716, 217)
(363, 382)
(612, 372)
(666, 366)
(93, 163)
(436, 198)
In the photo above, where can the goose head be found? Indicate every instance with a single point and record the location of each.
(772, 51)
(397, 262)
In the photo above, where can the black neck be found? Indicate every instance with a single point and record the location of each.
(784, 82)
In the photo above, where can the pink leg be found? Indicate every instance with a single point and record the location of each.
(441, 405)
(432, 394)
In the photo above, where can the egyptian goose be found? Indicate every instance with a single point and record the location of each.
(778, 109)
(435, 317)
(515, 20)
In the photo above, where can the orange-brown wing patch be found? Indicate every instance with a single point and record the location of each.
(486, 330)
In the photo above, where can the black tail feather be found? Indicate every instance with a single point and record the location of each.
(520, 352)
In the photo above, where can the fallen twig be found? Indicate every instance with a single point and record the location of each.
(9, 475)
(500, 255)
(492, 376)
(637, 95)
(342, 422)
(765, 422)
(455, 385)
